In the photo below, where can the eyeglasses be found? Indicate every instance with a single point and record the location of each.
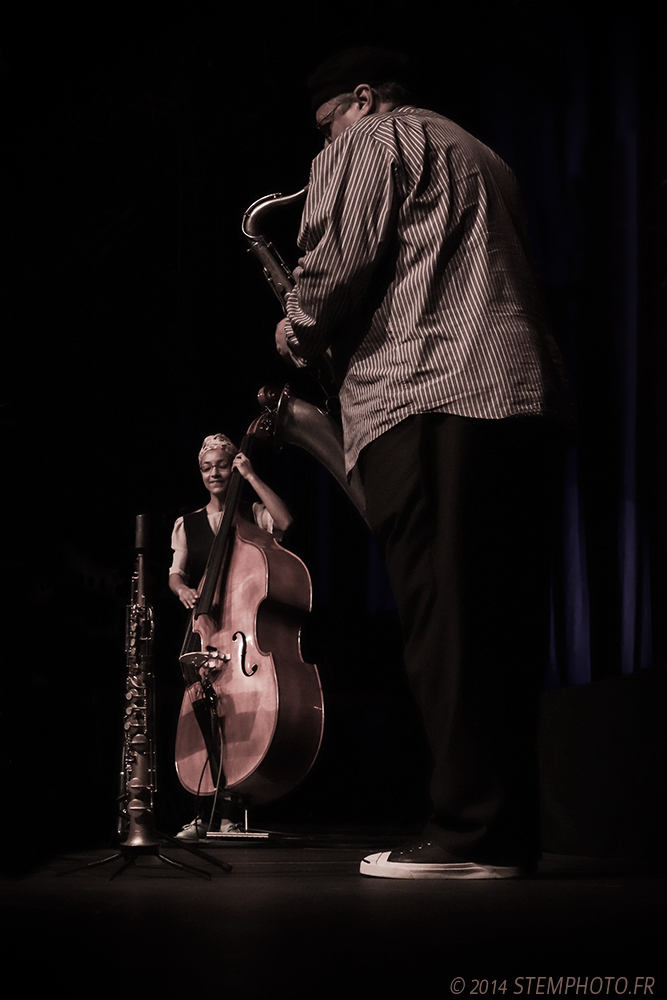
(218, 466)
(325, 124)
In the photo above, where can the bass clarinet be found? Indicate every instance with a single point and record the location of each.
(137, 778)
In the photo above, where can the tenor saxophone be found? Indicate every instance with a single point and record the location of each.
(298, 422)
(281, 281)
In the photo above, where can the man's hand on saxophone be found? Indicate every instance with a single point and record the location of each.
(285, 350)
(281, 341)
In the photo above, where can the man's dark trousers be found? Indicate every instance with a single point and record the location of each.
(463, 512)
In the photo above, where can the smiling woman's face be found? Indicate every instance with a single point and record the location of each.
(216, 468)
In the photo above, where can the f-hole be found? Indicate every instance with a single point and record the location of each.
(244, 646)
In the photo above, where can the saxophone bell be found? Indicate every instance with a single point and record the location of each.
(307, 427)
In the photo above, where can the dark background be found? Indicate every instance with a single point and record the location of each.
(135, 324)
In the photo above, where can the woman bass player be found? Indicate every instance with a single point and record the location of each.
(191, 542)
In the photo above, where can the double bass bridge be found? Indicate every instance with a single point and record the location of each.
(203, 666)
(208, 662)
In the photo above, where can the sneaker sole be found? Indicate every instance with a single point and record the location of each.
(378, 865)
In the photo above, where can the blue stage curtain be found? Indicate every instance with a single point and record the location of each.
(589, 153)
(582, 125)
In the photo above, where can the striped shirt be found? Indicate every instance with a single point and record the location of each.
(416, 274)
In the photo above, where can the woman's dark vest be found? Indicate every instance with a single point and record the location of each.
(200, 537)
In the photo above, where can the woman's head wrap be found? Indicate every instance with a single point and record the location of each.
(217, 441)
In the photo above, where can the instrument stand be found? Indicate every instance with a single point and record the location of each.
(130, 852)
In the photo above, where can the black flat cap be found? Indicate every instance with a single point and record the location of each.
(341, 73)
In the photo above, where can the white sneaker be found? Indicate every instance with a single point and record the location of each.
(196, 830)
(427, 860)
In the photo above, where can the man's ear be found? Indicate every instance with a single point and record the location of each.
(366, 98)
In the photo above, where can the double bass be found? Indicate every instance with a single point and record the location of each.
(252, 715)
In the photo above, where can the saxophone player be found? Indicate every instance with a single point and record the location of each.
(416, 276)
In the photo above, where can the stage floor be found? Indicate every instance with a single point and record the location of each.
(294, 918)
